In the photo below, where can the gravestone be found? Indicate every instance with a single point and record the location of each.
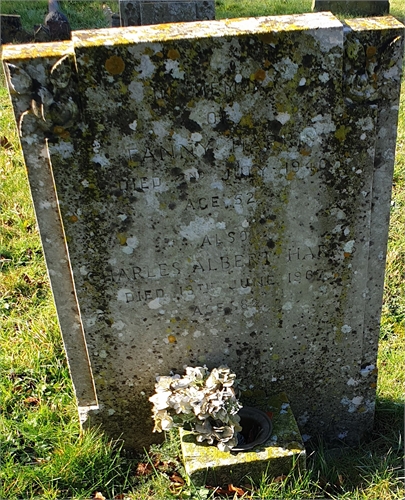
(144, 12)
(353, 7)
(216, 193)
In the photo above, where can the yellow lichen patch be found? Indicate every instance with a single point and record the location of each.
(122, 238)
(268, 38)
(260, 75)
(347, 255)
(290, 176)
(73, 218)
(341, 132)
(305, 152)
(267, 64)
(171, 339)
(173, 54)
(371, 51)
(61, 132)
(114, 65)
(123, 88)
(161, 103)
(159, 54)
(246, 121)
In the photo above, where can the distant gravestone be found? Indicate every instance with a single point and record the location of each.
(216, 192)
(353, 7)
(144, 12)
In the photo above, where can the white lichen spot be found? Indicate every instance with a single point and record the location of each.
(110, 412)
(391, 73)
(45, 205)
(365, 372)
(287, 306)
(309, 136)
(63, 149)
(343, 434)
(357, 400)
(324, 77)
(196, 137)
(101, 160)
(197, 334)
(188, 295)
(133, 125)
(306, 437)
(173, 67)
(238, 78)
(348, 248)
(352, 382)
(127, 250)
(122, 217)
(83, 270)
(245, 224)
(217, 185)
(283, 117)
(197, 228)
(286, 68)
(146, 68)
(250, 312)
(136, 91)
(118, 325)
(234, 112)
(346, 329)
(132, 242)
(159, 302)
(191, 173)
(302, 82)
(102, 354)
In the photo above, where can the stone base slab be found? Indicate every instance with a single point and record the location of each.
(282, 453)
(355, 7)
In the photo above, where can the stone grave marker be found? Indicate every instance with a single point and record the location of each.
(216, 193)
(144, 12)
(353, 7)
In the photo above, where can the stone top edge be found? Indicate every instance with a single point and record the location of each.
(207, 29)
(198, 29)
(36, 50)
(173, 31)
(374, 23)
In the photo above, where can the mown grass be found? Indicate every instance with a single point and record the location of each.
(43, 452)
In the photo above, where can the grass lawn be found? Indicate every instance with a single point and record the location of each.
(44, 454)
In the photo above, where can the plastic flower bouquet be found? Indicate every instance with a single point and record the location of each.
(202, 401)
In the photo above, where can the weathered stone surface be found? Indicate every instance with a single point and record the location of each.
(141, 12)
(223, 191)
(353, 7)
(283, 453)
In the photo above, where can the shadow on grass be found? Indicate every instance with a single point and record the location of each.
(377, 463)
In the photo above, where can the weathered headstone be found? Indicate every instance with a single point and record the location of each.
(353, 7)
(216, 192)
(144, 12)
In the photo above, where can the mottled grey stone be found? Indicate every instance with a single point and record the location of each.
(141, 12)
(216, 192)
(353, 7)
